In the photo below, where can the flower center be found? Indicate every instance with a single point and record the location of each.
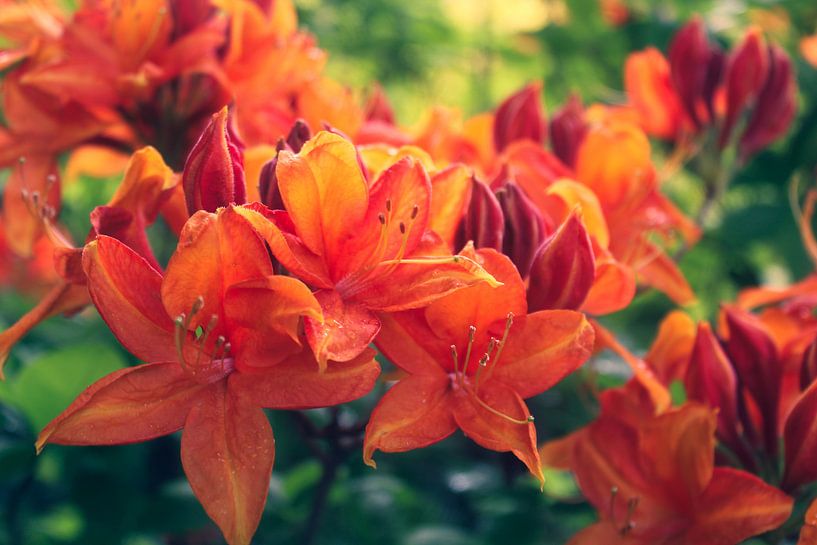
(209, 365)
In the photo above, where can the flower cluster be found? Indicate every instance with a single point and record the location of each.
(475, 256)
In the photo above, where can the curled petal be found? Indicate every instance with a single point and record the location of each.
(414, 413)
(344, 331)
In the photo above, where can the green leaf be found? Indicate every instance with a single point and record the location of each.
(50, 383)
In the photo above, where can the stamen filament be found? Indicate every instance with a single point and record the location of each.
(500, 414)
(501, 345)
(472, 331)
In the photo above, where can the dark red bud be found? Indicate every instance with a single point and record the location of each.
(483, 222)
(298, 135)
(745, 76)
(690, 55)
(754, 356)
(378, 107)
(567, 129)
(268, 186)
(711, 379)
(214, 171)
(800, 440)
(775, 107)
(189, 14)
(520, 117)
(525, 229)
(563, 269)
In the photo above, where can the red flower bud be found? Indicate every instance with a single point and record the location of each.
(214, 171)
(298, 135)
(268, 182)
(567, 129)
(755, 358)
(483, 222)
(520, 117)
(800, 439)
(711, 379)
(775, 107)
(692, 70)
(563, 269)
(745, 76)
(525, 229)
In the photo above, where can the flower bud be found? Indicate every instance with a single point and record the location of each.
(745, 76)
(520, 117)
(563, 269)
(298, 135)
(775, 107)
(483, 222)
(690, 57)
(378, 107)
(214, 171)
(525, 229)
(567, 129)
(808, 369)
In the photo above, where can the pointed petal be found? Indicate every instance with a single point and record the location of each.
(495, 432)
(264, 317)
(227, 455)
(558, 453)
(663, 274)
(800, 437)
(735, 506)
(324, 192)
(297, 383)
(130, 405)
(215, 251)
(409, 343)
(126, 291)
(613, 287)
(542, 349)
(345, 330)
(450, 195)
(670, 352)
(414, 413)
(421, 280)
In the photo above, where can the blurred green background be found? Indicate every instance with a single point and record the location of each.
(463, 53)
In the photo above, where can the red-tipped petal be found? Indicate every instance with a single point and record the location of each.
(227, 455)
(414, 413)
(130, 405)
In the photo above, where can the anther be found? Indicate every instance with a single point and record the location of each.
(198, 304)
(402, 228)
(472, 331)
(388, 205)
(414, 211)
(381, 217)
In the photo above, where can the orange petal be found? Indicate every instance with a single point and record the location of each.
(286, 247)
(663, 274)
(450, 195)
(495, 432)
(345, 330)
(409, 343)
(324, 192)
(670, 352)
(613, 287)
(544, 348)
(126, 291)
(605, 533)
(643, 372)
(808, 534)
(297, 383)
(414, 413)
(480, 305)
(558, 453)
(227, 455)
(421, 280)
(130, 405)
(264, 317)
(736, 506)
(650, 90)
(215, 251)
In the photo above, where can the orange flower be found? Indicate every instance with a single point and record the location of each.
(220, 333)
(364, 247)
(653, 481)
(471, 358)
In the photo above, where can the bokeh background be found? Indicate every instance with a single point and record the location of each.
(467, 54)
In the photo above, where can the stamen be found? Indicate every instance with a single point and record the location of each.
(179, 332)
(402, 228)
(472, 331)
(501, 344)
(456, 360)
(632, 503)
(388, 205)
(500, 414)
(414, 211)
(483, 363)
(613, 494)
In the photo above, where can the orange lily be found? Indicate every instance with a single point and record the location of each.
(653, 481)
(471, 359)
(364, 247)
(220, 333)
